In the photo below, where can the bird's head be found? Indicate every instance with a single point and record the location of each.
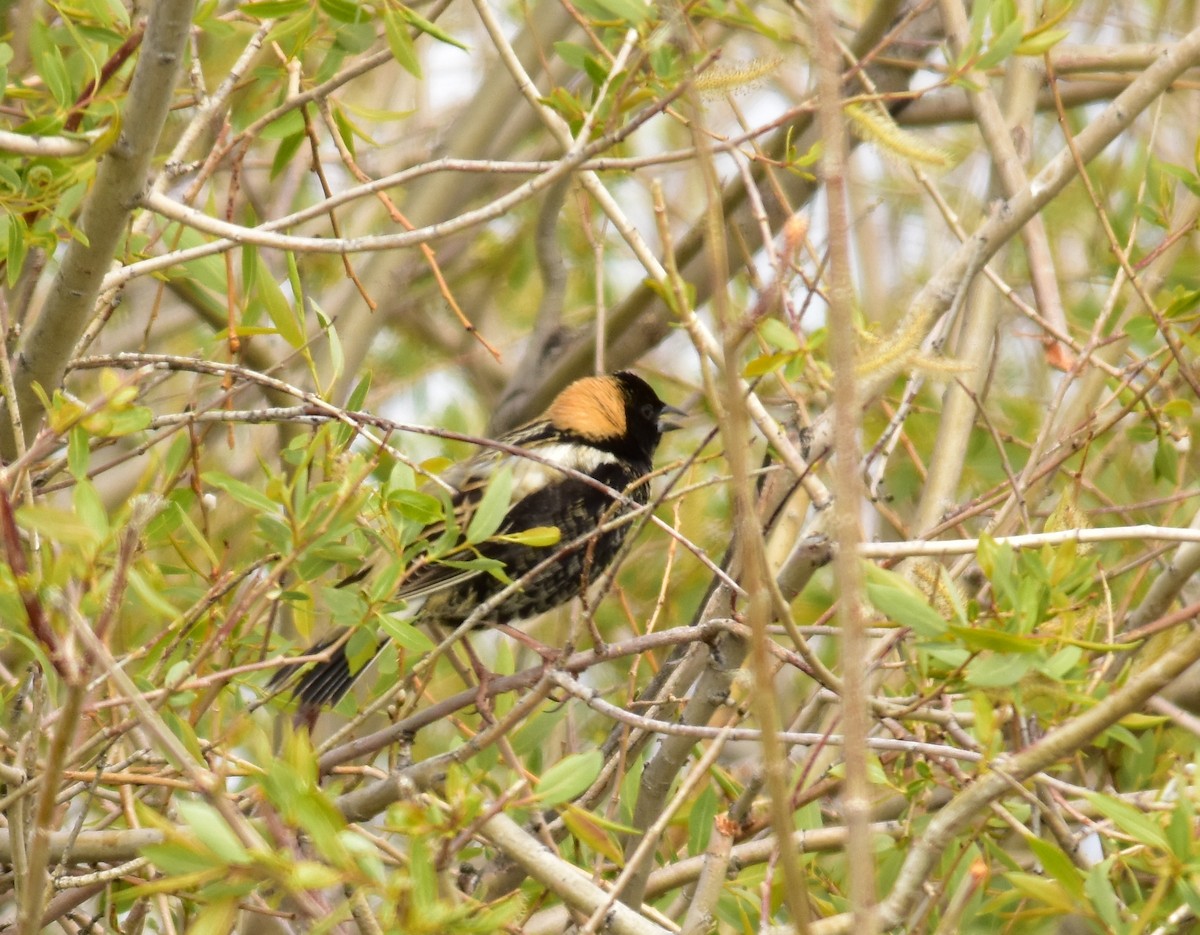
(617, 412)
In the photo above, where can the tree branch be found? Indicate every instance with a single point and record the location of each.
(42, 357)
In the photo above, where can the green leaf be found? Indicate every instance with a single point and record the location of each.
(18, 247)
(590, 830)
(365, 857)
(778, 335)
(634, 12)
(384, 580)
(120, 423)
(241, 492)
(359, 394)
(607, 823)
(213, 831)
(288, 147)
(348, 130)
(275, 532)
(1140, 433)
(60, 526)
(344, 11)
(569, 777)
(216, 918)
(293, 273)
(897, 599)
(1059, 665)
(284, 126)
(1137, 721)
(1047, 892)
(1166, 460)
(361, 648)
(48, 60)
(1001, 46)
(1039, 43)
(1184, 303)
(1179, 408)
(491, 566)
(700, 821)
(1101, 897)
(178, 858)
(1057, 864)
(535, 536)
(151, 596)
(1179, 830)
(417, 506)
(1031, 594)
(489, 514)
(337, 356)
(1189, 179)
(985, 717)
(404, 633)
(78, 454)
(573, 54)
(1001, 14)
(287, 321)
(766, 363)
(978, 639)
(1188, 894)
(436, 465)
(532, 736)
(1142, 329)
(430, 28)
(311, 875)
(1122, 735)
(404, 51)
(998, 671)
(422, 873)
(90, 508)
(664, 60)
(273, 9)
(1132, 822)
(996, 560)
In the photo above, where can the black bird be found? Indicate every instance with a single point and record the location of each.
(605, 427)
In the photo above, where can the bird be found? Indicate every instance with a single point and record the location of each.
(597, 437)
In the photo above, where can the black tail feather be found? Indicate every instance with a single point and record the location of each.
(322, 684)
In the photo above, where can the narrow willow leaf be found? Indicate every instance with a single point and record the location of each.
(489, 514)
(569, 777)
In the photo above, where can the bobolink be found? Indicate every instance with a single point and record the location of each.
(606, 428)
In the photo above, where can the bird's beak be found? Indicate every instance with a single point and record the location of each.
(666, 423)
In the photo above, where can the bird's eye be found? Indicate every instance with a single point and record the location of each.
(649, 412)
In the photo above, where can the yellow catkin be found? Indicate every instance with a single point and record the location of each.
(894, 354)
(736, 77)
(875, 125)
(901, 351)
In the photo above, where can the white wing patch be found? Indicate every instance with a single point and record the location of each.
(529, 475)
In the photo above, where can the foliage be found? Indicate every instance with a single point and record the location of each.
(366, 245)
